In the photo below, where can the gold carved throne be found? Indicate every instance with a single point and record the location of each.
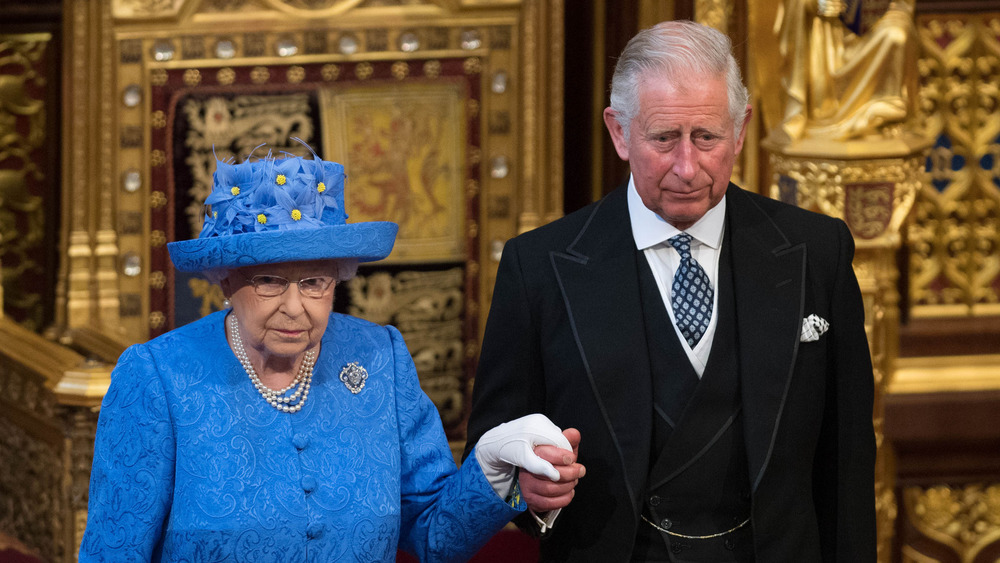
(446, 113)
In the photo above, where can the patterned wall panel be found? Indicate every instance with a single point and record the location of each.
(954, 237)
(28, 201)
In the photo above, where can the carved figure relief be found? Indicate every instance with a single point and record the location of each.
(838, 85)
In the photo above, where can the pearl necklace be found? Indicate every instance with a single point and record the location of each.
(276, 398)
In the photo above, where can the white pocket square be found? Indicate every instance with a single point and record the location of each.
(813, 327)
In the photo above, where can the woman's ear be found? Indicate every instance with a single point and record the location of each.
(227, 289)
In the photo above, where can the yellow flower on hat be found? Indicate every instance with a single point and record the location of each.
(285, 203)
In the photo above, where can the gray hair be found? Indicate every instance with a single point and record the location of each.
(343, 270)
(670, 50)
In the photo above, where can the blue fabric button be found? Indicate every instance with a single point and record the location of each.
(314, 531)
(308, 483)
(300, 441)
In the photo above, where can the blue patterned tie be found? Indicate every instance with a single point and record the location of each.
(691, 293)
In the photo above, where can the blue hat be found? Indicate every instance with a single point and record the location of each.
(279, 210)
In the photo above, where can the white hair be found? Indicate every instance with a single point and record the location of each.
(343, 270)
(672, 50)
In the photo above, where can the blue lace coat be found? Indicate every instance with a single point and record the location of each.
(191, 464)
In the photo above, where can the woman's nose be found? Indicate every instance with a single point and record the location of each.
(291, 300)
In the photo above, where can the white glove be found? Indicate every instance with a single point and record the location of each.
(512, 444)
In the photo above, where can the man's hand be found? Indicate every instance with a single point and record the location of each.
(541, 493)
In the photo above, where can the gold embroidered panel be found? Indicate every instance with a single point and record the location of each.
(404, 148)
(954, 236)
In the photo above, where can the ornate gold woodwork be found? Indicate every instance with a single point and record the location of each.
(511, 49)
(489, 70)
(945, 374)
(962, 523)
(47, 423)
(954, 242)
(447, 115)
(22, 175)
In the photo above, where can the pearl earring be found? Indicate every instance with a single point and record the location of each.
(226, 304)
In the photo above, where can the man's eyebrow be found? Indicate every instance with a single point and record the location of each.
(708, 129)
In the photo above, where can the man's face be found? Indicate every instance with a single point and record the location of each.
(681, 147)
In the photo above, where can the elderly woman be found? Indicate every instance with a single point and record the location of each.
(277, 430)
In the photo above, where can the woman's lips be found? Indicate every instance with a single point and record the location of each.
(289, 332)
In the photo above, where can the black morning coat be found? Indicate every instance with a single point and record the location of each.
(565, 338)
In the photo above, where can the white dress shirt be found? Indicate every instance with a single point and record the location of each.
(651, 233)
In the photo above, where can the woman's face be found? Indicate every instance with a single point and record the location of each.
(286, 325)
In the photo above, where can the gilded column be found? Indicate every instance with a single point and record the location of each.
(106, 250)
(88, 282)
(74, 279)
(529, 216)
(541, 153)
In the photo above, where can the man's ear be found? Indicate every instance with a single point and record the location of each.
(617, 133)
(743, 130)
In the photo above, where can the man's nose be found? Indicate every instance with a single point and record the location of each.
(686, 162)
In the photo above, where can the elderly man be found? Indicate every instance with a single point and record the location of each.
(708, 343)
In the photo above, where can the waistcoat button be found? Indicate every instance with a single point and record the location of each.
(654, 501)
(666, 523)
(314, 531)
(300, 441)
(308, 483)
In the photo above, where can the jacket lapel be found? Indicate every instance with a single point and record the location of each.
(769, 284)
(600, 287)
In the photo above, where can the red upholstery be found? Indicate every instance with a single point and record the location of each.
(14, 551)
(508, 546)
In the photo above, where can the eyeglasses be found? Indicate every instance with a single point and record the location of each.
(273, 286)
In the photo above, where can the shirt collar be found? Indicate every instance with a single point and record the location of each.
(649, 229)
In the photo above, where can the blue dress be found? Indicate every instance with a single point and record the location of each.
(191, 464)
